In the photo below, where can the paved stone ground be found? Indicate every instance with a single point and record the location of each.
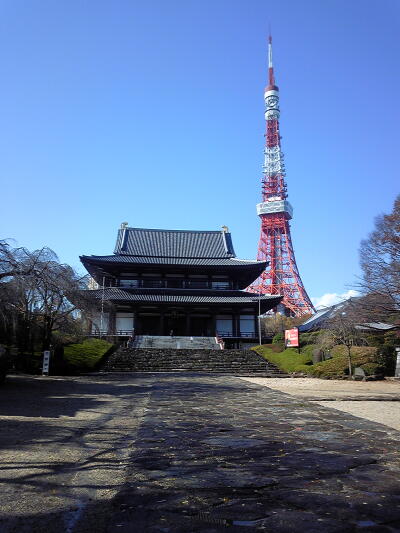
(378, 401)
(209, 453)
(333, 389)
(65, 444)
(225, 453)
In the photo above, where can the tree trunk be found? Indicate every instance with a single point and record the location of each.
(349, 361)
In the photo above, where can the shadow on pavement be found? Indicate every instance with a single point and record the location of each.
(209, 454)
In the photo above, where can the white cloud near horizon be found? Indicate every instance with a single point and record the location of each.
(332, 298)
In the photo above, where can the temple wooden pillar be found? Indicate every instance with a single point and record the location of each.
(236, 324)
(187, 325)
(214, 322)
(162, 321)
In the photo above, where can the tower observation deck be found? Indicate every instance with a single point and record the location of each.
(275, 246)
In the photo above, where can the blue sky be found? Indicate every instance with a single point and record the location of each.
(152, 113)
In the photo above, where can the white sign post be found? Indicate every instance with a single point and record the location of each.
(46, 363)
(397, 371)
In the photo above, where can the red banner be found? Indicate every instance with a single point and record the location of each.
(291, 337)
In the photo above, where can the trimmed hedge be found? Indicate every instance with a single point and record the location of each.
(87, 354)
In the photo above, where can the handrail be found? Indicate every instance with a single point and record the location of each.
(219, 341)
(118, 333)
(244, 334)
(175, 284)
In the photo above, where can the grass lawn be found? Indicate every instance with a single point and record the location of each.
(87, 354)
(290, 360)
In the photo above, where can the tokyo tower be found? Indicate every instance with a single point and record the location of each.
(275, 246)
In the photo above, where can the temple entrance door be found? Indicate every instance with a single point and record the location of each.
(149, 325)
(175, 323)
(200, 326)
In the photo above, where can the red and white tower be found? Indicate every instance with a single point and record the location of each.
(282, 275)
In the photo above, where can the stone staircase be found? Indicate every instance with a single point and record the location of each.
(178, 343)
(231, 362)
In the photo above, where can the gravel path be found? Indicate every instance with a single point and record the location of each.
(349, 396)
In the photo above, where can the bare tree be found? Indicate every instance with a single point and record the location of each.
(325, 341)
(380, 263)
(18, 261)
(343, 329)
(277, 323)
(38, 295)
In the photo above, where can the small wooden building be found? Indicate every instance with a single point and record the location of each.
(187, 282)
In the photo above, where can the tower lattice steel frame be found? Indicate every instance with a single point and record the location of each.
(282, 275)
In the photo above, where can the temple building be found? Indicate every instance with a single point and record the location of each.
(186, 282)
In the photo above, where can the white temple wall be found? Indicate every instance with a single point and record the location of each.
(124, 322)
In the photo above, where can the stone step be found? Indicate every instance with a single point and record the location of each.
(224, 373)
(182, 343)
(236, 362)
(183, 365)
(196, 362)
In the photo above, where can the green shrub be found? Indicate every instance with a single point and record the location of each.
(308, 338)
(308, 350)
(290, 360)
(337, 367)
(87, 354)
(278, 338)
(386, 357)
(371, 369)
(375, 340)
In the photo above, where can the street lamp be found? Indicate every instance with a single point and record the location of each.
(102, 309)
(259, 318)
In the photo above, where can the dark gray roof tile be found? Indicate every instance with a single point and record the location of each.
(201, 261)
(165, 296)
(174, 243)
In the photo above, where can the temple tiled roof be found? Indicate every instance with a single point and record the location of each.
(185, 296)
(174, 243)
(146, 250)
(197, 261)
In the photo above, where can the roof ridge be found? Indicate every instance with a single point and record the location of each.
(228, 256)
(175, 230)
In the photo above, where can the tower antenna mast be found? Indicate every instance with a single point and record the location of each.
(275, 246)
